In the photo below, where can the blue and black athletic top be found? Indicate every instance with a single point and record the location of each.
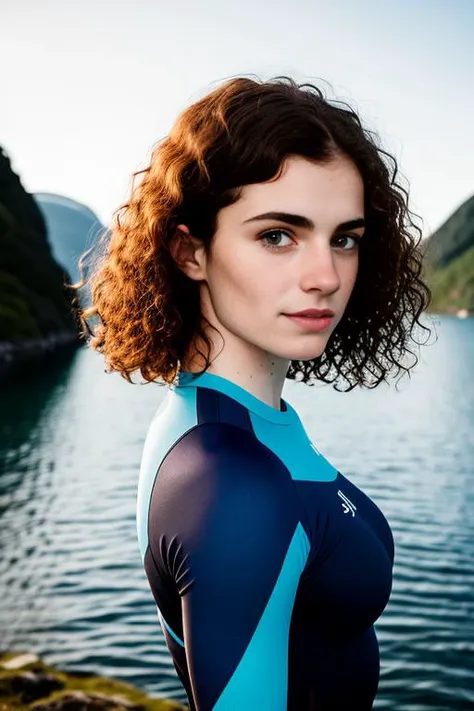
(268, 567)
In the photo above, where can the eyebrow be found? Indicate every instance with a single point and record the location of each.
(305, 222)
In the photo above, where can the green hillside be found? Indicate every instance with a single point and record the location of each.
(453, 286)
(33, 300)
(449, 262)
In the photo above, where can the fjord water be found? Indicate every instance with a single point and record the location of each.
(72, 586)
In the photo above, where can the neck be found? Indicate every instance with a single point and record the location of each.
(262, 374)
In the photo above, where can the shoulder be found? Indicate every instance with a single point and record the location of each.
(211, 469)
(218, 452)
(222, 498)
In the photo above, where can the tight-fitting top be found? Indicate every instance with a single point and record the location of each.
(268, 566)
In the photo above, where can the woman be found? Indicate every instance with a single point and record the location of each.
(268, 566)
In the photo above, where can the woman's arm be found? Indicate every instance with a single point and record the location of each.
(229, 507)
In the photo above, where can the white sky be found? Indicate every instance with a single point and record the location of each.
(89, 86)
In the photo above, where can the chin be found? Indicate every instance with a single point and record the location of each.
(305, 352)
(305, 356)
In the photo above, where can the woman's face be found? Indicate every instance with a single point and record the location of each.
(250, 282)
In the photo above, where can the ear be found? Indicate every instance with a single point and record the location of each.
(188, 253)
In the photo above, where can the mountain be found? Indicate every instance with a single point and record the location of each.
(72, 229)
(448, 256)
(34, 303)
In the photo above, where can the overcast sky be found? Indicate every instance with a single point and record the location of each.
(89, 86)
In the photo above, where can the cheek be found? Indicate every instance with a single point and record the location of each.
(242, 297)
(350, 274)
(238, 279)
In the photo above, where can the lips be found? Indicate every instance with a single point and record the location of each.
(311, 323)
(314, 313)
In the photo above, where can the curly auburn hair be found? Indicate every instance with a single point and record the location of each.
(238, 134)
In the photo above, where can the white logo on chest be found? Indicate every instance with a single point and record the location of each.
(346, 504)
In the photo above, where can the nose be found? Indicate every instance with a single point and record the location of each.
(318, 269)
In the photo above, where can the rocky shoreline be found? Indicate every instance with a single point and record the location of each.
(27, 684)
(20, 356)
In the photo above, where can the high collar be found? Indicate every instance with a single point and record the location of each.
(237, 392)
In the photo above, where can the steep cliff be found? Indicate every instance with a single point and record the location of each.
(34, 302)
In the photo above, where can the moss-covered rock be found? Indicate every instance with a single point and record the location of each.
(27, 684)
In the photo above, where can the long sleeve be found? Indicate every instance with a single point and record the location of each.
(225, 527)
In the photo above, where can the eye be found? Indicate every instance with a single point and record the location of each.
(268, 235)
(355, 238)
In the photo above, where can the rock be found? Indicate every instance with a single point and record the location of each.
(32, 685)
(20, 661)
(79, 701)
(39, 687)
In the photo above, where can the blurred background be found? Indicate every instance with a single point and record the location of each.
(88, 89)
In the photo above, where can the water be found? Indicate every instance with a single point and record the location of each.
(71, 582)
